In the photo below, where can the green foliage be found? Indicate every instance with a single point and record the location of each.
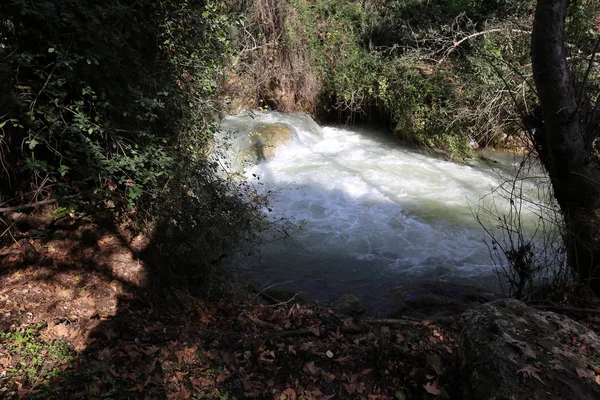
(359, 79)
(38, 360)
(442, 72)
(62, 212)
(106, 97)
(118, 102)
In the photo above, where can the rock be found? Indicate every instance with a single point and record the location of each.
(265, 139)
(513, 352)
(438, 299)
(347, 304)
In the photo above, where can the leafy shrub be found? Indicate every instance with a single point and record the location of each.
(105, 96)
(117, 100)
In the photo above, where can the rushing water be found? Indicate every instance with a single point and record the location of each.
(373, 214)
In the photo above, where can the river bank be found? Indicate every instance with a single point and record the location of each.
(85, 315)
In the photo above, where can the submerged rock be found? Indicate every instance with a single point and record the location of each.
(347, 304)
(438, 299)
(265, 139)
(511, 351)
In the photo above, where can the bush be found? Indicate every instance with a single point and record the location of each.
(526, 240)
(117, 100)
(105, 97)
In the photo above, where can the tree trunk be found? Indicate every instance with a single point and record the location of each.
(561, 142)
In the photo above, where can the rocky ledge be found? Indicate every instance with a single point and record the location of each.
(511, 351)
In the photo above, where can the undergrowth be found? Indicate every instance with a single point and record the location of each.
(39, 361)
(441, 74)
(113, 106)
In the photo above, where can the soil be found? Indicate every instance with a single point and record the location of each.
(84, 314)
(86, 286)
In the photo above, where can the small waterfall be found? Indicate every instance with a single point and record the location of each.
(236, 131)
(374, 215)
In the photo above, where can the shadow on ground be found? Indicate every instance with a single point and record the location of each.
(86, 312)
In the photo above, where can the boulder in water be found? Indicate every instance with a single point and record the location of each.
(511, 351)
(347, 304)
(265, 139)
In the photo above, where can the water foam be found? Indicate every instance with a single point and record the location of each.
(375, 214)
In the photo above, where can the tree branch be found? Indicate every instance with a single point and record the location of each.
(25, 206)
(455, 45)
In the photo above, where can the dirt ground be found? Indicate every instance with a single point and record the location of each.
(84, 314)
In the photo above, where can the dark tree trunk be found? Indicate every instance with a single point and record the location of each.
(561, 142)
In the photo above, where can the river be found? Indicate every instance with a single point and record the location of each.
(370, 214)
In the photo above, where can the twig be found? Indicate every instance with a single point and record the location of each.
(43, 88)
(455, 45)
(297, 332)
(282, 303)
(587, 74)
(585, 177)
(8, 226)
(390, 322)
(25, 206)
(285, 334)
(258, 321)
(302, 332)
(267, 288)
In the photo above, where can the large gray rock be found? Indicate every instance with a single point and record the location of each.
(513, 352)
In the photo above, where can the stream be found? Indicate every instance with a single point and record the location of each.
(370, 214)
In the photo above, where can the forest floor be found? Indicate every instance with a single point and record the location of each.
(82, 315)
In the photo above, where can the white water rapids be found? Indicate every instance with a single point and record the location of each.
(374, 215)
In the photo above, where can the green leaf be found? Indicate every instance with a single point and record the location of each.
(63, 169)
(32, 143)
(51, 50)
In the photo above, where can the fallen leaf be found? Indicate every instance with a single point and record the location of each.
(287, 394)
(437, 334)
(182, 394)
(267, 357)
(585, 373)
(199, 383)
(531, 371)
(343, 359)
(222, 378)
(186, 355)
(350, 388)
(354, 387)
(433, 388)
(311, 367)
